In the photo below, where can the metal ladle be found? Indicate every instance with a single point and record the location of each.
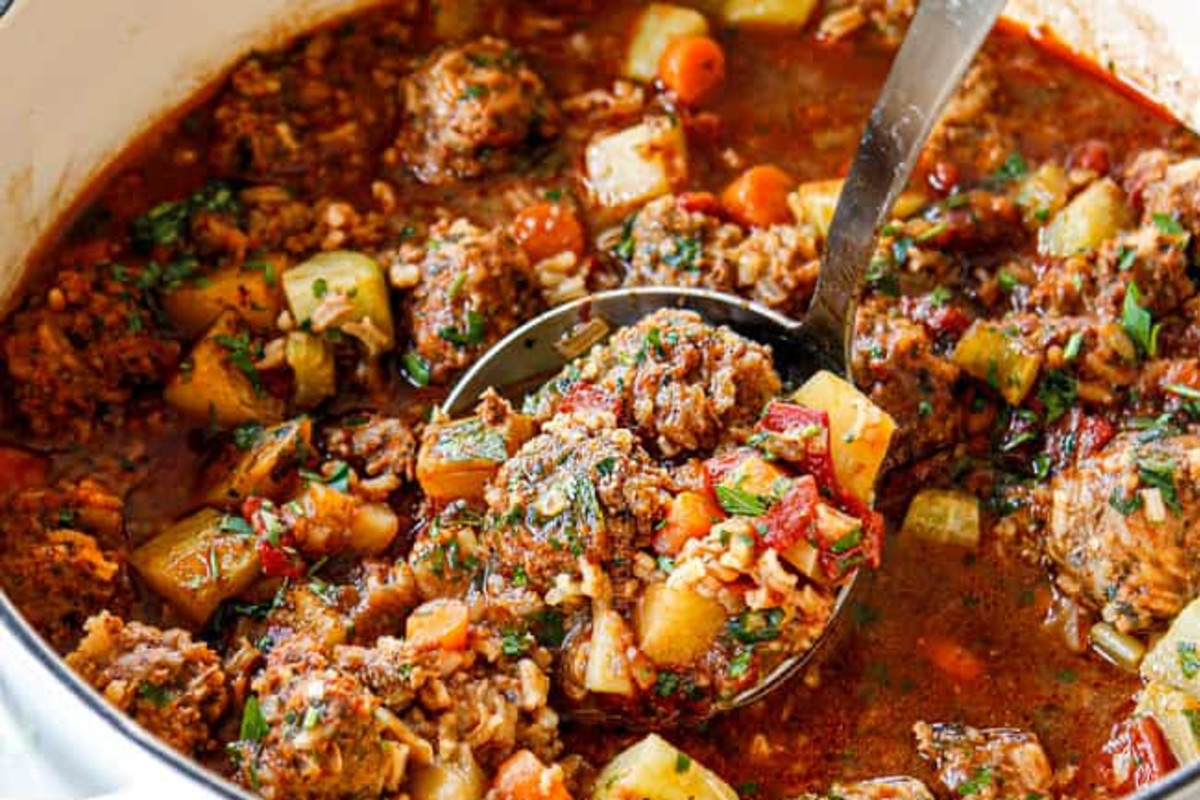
(940, 44)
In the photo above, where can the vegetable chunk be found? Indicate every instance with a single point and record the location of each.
(342, 290)
(637, 164)
(657, 26)
(1094, 215)
(653, 769)
(999, 357)
(458, 458)
(774, 13)
(943, 516)
(675, 625)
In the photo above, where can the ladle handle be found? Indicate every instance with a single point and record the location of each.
(940, 44)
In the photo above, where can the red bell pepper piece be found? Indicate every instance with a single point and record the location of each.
(793, 518)
(586, 396)
(1138, 755)
(276, 546)
(799, 435)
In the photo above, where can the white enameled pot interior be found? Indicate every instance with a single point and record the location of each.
(81, 78)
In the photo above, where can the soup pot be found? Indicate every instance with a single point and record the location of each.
(83, 78)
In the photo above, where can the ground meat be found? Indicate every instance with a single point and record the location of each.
(973, 128)
(386, 593)
(683, 385)
(778, 267)
(897, 364)
(469, 108)
(323, 736)
(672, 242)
(1165, 188)
(375, 445)
(82, 349)
(173, 687)
(987, 764)
(1123, 526)
(472, 291)
(579, 489)
(58, 557)
(899, 788)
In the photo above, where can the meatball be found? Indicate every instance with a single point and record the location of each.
(376, 445)
(988, 764)
(778, 267)
(684, 385)
(579, 489)
(674, 242)
(472, 290)
(173, 687)
(1123, 529)
(897, 366)
(317, 732)
(469, 108)
(898, 788)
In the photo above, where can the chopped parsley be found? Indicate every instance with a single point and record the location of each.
(320, 288)
(1125, 504)
(752, 627)
(473, 334)
(684, 256)
(166, 223)
(979, 780)
(1074, 346)
(416, 369)
(1139, 323)
(1168, 225)
(243, 352)
(739, 665)
(516, 643)
(246, 436)
(254, 724)
(740, 502)
(1160, 475)
(1058, 392)
(1014, 167)
(1189, 659)
(1126, 258)
(666, 684)
(158, 696)
(682, 762)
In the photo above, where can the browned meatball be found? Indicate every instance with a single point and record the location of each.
(471, 292)
(685, 385)
(469, 108)
(988, 764)
(670, 242)
(1123, 529)
(173, 687)
(317, 733)
(579, 489)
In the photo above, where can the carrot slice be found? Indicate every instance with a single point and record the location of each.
(692, 67)
(524, 777)
(691, 516)
(953, 659)
(759, 196)
(547, 229)
(439, 623)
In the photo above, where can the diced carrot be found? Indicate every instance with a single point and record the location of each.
(693, 67)
(547, 229)
(691, 516)
(441, 623)
(759, 196)
(524, 777)
(20, 470)
(953, 659)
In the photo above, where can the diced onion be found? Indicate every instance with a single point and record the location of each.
(1120, 648)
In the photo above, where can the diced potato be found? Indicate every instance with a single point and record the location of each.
(254, 294)
(773, 13)
(307, 611)
(675, 625)
(1175, 658)
(456, 19)
(268, 468)
(860, 432)
(608, 670)
(653, 769)
(1178, 715)
(637, 164)
(195, 564)
(943, 516)
(373, 529)
(458, 458)
(217, 385)
(313, 366)
(1096, 214)
(1000, 357)
(1043, 193)
(814, 203)
(459, 778)
(348, 277)
(757, 476)
(802, 555)
(656, 27)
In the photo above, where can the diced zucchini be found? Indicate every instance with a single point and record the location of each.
(656, 27)
(196, 564)
(675, 625)
(653, 769)
(943, 516)
(814, 203)
(313, 367)
(458, 458)
(608, 670)
(638, 164)
(772, 13)
(1121, 649)
(354, 278)
(268, 468)
(1095, 215)
(253, 293)
(459, 778)
(1043, 193)
(860, 432)
(1000, 357)
(1178, 715)
(218, 383)
(1175, 658)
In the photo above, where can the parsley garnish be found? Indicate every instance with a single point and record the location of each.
(739, 501)
(687, 251)
(416, 368)
(1189, 660)
(254, 724)
(474, 334)
(242, 356)
(751, 627)
(1139, 323)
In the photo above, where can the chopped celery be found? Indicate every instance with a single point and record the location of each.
(769, 13)
(1001, 357)
(943, 516)
(1120, 648)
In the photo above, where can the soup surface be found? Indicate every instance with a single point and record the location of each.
(228, 498)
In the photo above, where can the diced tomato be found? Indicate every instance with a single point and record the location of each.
(20, 470)
(801, 436)
(588, 397)
(691, 516)
(279, 562)
(793, 517)
(1078, 435)
(1137, 754)
(276, 547)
